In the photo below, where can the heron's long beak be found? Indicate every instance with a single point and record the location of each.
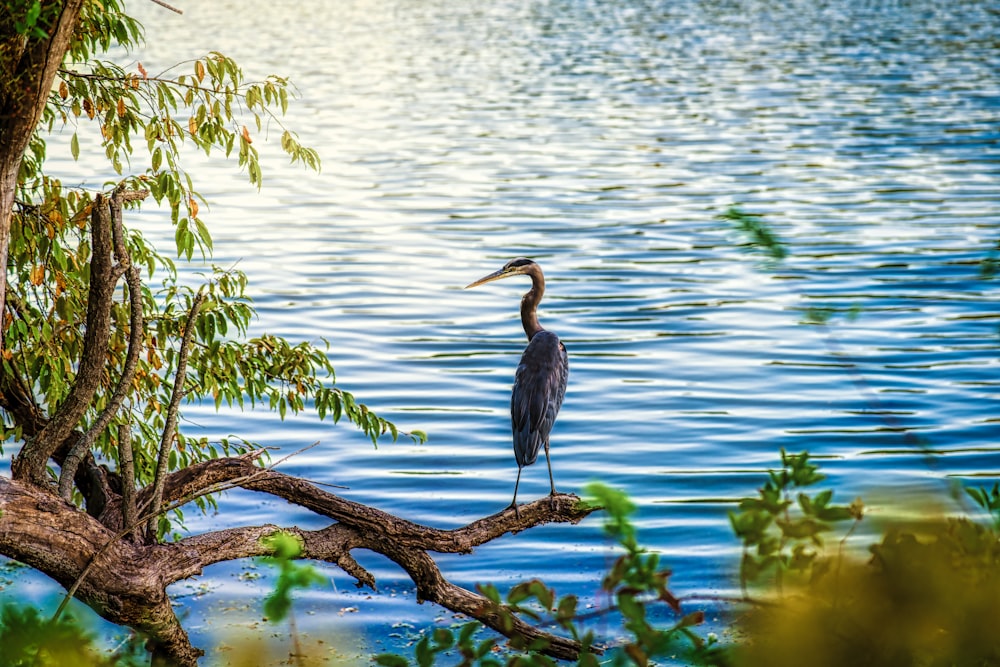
(496, 275)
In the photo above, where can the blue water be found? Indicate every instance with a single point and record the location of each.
(605, 139)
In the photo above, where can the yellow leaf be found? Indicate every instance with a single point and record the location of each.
(199, 70)
(37, 275)
(193, 206)
(7, 354)
(121, 107)
(192, 125)
(246, 135)
(88, 106)
(142, 71)
(81, 218)
(63, 90)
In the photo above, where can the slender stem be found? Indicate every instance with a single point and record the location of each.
(126, 470)
(165, 5)
(170, 428)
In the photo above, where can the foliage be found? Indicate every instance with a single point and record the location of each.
(783, 536)
(988, 500)
(636, 581)
(929, 596)
(27, 639)
(286, 547)
(759, 235)
(989, 266)
(143, 121)
(443, 640)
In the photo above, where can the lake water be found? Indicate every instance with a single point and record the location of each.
(605, 139)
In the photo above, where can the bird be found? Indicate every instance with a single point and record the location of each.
(540, 379)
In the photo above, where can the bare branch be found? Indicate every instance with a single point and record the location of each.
(165, 5)
(170, 428)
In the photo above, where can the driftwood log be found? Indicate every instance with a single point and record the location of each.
(106, 555)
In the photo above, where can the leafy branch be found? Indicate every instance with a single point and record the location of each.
(781, 535)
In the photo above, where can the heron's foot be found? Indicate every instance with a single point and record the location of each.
(552, 499)
(517, 512)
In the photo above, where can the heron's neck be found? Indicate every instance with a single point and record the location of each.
(529, 306)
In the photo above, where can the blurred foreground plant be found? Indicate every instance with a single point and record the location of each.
(929, 596)
(785, 536)
(287, 547)
(636, 582)
(29, 639)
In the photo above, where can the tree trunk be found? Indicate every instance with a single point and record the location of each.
(28, 66)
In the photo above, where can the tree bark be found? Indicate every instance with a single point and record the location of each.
(31, 461)
(28, 68)
(126, 582)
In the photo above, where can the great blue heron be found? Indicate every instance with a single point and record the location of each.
(540, 380)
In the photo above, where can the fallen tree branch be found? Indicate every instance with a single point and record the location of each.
(127, 582)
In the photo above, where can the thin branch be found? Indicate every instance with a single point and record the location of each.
(126, 470)
(83, 445)
(166, 6)
(127, 79)
(170, 428)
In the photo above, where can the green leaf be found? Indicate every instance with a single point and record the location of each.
(423, 653)
(630, 607)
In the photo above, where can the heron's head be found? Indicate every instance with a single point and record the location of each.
(515, 267)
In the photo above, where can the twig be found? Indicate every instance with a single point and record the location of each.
(166, 6)
(170, 428)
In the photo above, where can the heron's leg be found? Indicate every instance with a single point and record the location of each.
(548, 462)
(513, 503)
(552, 483)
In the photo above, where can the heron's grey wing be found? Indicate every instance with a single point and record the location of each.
(539, 388)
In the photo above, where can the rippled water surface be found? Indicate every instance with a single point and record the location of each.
(604, 139)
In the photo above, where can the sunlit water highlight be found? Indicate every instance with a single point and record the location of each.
(604, 140)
